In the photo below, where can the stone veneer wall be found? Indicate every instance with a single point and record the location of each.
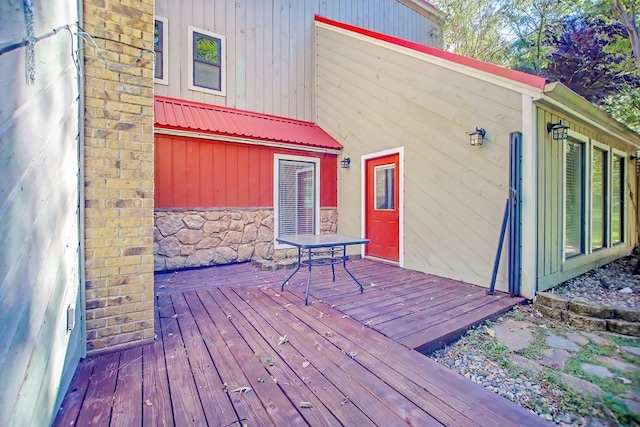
(118, 168)
(203, 237)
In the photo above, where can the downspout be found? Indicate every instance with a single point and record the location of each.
(81, 199)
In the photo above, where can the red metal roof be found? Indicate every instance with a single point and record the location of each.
(508, 73)
(189, 116)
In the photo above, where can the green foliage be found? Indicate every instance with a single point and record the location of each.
(207, 49)
(623, 415)
(624, 106)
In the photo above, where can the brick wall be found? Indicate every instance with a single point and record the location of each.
(119, 174)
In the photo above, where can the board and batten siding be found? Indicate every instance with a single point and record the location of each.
(269, 46)
(376, 96)
(552, 268)
(192, 172)
(39, 215)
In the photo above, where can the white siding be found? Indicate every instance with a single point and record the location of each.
(372, 98)
(39, 260)
(270, 46)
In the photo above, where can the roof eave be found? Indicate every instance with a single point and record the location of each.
(559, 96)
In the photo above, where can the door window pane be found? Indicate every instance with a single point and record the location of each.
(385, 187)
(574, 199)
(296, 197)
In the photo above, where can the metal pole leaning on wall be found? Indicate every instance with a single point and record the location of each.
(496, 263)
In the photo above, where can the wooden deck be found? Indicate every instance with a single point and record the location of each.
(233, 349)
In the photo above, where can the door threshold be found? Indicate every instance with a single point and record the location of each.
(386, 261)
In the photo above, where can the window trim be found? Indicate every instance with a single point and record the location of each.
(606, 243)
(623, 197)
(165, 50)
(276, 193)
(190, 67)
(586, 195)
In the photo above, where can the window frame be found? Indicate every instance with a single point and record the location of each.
(276, 194)
(623, 157)
(596, 146)
(192, 31)
(580, 139)
(164, 36)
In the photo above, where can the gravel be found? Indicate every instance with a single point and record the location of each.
(611, 285)
(477, 356)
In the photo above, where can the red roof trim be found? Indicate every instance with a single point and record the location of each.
(518, 76)
(179, 114)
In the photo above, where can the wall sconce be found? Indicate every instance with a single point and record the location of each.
(477, 136)
(345, 162)
(637, 159)
(559, 130)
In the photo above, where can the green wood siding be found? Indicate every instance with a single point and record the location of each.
(551, 269)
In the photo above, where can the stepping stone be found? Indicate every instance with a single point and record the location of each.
(581, 385)
(579, 339)
(618, 364)
(634, 351)
(555, 358)
(562, 343)
(515, 334)
(525, 363)
(596, 370)
(595, 338)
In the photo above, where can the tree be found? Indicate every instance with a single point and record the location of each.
(580, 57)
(474, 28)
(627, 12)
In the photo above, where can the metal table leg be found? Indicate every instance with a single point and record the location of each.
(291, 275)
(344, 264)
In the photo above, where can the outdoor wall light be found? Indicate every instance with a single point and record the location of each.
(559, 130)
(345, 162)
(477, 136)
(637, 159)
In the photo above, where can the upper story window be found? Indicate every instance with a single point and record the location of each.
(206, 61)
(161, 50)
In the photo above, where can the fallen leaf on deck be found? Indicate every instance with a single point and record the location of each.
(333, 306)
(373, 284)
(353, 354)
(305, 364)
(170, 334)
(148, 403)
(306, 405)
(368, 323)
(287, 305)
(328, 334)
(344, 316)
(175, 316)
(321, 315)
(344, 401)
(260, 380)
(275, 381)
(225, 387)
(283, 340)
(270, 362)
(243, 390)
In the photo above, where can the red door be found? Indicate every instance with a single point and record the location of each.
(382, 222)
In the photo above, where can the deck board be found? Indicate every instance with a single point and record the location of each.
(218, 330)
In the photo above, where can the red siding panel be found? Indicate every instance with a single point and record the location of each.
(199, 173)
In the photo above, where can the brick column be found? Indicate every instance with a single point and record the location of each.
(119, 174)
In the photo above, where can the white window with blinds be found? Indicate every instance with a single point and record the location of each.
(296, 195)
(574, 200)
(599, 196)
(618, 179)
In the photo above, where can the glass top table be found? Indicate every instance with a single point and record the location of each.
(321, 249)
